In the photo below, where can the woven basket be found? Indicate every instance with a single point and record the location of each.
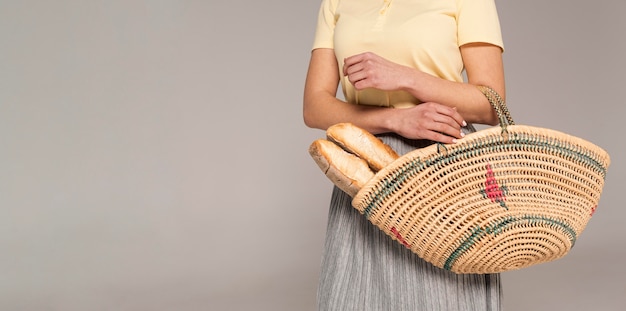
(500, 199)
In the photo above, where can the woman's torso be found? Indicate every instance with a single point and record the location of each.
(421, 34)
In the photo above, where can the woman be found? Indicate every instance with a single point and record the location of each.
(408, 55)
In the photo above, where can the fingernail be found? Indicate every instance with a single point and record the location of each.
(462, 134)
(464, 123)
(454, 141)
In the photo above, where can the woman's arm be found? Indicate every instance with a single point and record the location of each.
(322, 109)
(321, 106)
(483, 64)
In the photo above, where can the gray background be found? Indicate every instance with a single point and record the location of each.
(153, 155)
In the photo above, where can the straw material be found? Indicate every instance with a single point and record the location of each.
(500, 199)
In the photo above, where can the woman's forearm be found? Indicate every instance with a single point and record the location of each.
(464, 97)
(426, 121)
(432, 120)
(322, 110)
(483, 63)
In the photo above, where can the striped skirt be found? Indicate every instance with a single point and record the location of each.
(364, 269)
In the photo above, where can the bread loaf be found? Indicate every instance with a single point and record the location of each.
(345, 170)
(363, 144)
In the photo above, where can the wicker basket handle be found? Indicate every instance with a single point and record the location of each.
(498, 105)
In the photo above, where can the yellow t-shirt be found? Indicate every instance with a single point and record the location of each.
(423, 34)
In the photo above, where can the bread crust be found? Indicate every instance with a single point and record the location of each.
(347, 171)
(363, 144)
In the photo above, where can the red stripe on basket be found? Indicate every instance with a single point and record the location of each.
(399, 237)
(492, 190)
(593, 210)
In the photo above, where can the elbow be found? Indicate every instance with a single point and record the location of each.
(492, 119)
(311, 121)
(307, 120)
(308, 117)
(313, 115)
(488, 117)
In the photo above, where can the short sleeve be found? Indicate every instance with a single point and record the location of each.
(477, 21)
(326, 20)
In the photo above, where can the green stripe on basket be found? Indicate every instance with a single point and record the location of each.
(498, 227)
(395, 181)
(567, 150)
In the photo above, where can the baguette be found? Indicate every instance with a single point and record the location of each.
(363, 144)
(347, 171)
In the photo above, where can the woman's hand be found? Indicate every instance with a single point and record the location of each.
(368, 70)
(438, 118)
(431, 121)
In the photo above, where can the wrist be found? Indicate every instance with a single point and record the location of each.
(411, 82)
(387, 121)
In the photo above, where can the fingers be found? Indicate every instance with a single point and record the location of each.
(440, 132)
(354, 64)
(435, 136)
(369, 70)
(447, 129)
(452, 113)
(356, 74)
(444, 120)
(458, 118)
(434, 122)
(354, 69)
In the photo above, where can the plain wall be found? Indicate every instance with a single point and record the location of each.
(153, 154)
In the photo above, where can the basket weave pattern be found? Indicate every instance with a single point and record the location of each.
(500, 199)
